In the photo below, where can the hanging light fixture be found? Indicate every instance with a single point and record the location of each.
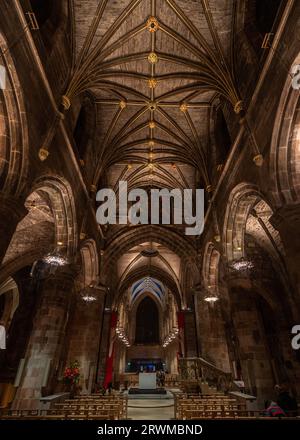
(55, 259)
(90, 293)
(210, 295)
(241, 265)
(211, 299)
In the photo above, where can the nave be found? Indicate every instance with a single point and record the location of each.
(104, 307)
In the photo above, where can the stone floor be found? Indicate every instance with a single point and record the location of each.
(169, 395)
(151, 409)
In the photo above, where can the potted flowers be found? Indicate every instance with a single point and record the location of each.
(71, 377)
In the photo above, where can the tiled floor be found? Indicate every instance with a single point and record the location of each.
(151, 409)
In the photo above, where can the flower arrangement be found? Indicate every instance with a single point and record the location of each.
(72, 373)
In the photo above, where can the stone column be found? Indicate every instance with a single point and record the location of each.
(84, 336)
(214, 347)
(287, 222)
(46, 340)
(104, 343)
(190, 334)
(253, 352)
(12, 211)
(287, 361)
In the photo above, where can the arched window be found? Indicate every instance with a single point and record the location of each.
(285, 160)
(147, 322)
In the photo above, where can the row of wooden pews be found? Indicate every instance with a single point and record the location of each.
(94, 407)
(212, 406)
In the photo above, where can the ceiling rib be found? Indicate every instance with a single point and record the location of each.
(113, 76)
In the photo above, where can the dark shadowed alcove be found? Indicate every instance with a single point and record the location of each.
(223, 139)
(49, 16)
(260, 19)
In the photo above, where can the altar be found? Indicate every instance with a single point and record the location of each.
(147, 381)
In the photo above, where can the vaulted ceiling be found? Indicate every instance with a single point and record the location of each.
(154, 67)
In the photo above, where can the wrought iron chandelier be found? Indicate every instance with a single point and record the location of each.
(87, 295)
(55, 259)
(210, 295)
(241, 265)
(90, 293)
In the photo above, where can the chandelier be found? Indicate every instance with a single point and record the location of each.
(171, 336)
(89, 294)
(210, 296)
(55, 259)
(211, 299)
(254, 267)
(241, 265)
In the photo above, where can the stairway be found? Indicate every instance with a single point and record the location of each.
(208, 378)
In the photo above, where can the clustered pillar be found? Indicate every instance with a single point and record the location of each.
(46, 341)
(287, 222)
(12, 211)
(84, 335)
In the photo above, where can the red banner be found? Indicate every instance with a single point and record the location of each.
(180, 319)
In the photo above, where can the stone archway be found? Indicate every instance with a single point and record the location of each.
(136, 235)
(83, 338)
(248, 211)
(210, 315)
(285, 152)
(210, 269)
(56, 289)
(14, 146)
(50, 224)
(248, 221)
(152, 272)
(90, 262)
(61, 200)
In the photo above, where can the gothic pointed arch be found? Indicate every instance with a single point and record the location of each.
(284, 154)
(14, 144)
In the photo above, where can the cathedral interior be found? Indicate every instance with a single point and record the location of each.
(161, 94)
